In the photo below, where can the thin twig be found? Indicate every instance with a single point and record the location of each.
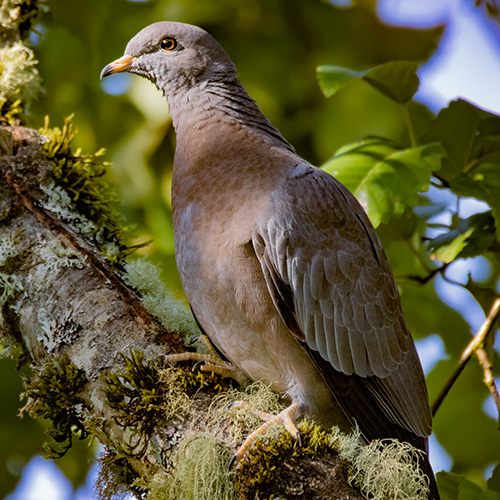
(476, 343)
(489, 380)
(424, 279)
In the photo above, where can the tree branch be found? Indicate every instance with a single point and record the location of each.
(489, 380)
(477, 343)
(94, 350)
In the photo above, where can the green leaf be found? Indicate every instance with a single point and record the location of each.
(494, 480)
(469, 238)
(397, 80)
(332, 78)
(384, 177)
(485, 297)
(482, 184)
(455, 487)
(470, 136)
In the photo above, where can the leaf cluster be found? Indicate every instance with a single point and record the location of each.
(458, 152)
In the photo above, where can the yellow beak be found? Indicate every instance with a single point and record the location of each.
(118, 66)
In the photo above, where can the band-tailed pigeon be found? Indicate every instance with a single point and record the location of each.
(281, 266)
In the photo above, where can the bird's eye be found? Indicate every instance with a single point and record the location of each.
(168, 43)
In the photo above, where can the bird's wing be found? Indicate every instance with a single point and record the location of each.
(332, 285)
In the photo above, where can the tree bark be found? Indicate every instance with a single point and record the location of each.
(62, 300)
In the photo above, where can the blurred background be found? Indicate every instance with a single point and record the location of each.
(276, 46)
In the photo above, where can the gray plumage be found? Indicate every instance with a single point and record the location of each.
(280, 263)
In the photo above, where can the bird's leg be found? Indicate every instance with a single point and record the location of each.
(285, 418)
(210, 362)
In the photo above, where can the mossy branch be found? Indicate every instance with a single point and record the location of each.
(95, 328)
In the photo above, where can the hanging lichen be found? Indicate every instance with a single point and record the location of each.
(19, 17)
(19, 81)
(19, 77)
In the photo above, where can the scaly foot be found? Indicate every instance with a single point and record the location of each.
(210, 362)
(285, 418)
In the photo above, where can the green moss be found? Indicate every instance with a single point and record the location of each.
(11, 112)
(261, 468)
(81, 177)
(144, 395)
(54, 392)
(147, 394)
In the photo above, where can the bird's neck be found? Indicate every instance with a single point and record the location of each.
(221, 102)
(228, 155)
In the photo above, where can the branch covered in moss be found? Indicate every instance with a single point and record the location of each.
(95, 328)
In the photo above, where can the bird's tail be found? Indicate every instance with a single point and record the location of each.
(426, 467)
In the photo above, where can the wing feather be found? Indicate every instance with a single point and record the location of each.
(333, 286)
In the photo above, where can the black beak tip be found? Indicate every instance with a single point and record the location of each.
(107, 70)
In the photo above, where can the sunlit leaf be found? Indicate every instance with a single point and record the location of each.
(470, 237)
(397, 80)
(332, 78)
(384, 177)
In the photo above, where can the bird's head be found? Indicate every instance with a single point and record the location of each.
(174, 56)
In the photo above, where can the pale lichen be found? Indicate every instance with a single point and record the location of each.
(55, 333)
(172, 313)
(385, 468)
(19, 81)
(18, 17)
(57, 257)
(258, 395)
(10, 285)
(201, 471)
(8, 248)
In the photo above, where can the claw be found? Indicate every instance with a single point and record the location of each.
(198, 364)
(232, 462)
(298, 438)
(229, 406)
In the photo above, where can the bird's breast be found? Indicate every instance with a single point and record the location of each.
(226, 288)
